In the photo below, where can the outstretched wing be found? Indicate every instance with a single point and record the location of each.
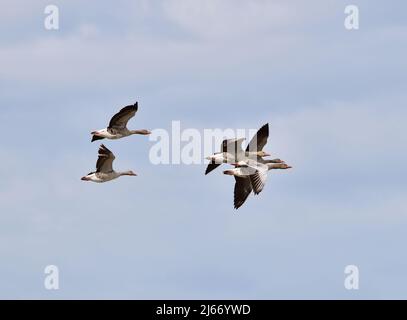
(105, 160)
(232, 146)
(243, 188)
(259, 140)
(121, 118)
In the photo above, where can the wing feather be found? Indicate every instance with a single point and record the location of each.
(105, 160)
(259, 140)
(243, 188)
(120, 119)
(258, 180)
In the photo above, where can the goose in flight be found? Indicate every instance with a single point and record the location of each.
(104, 168)
(232, 151)
(118, 125)
(251, 177)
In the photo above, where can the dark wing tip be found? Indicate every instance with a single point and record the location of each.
(132, 107)
(239, 203)
(103, 149)
(224, 145)
(265, 129)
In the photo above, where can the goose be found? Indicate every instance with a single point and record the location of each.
(246, 181)
(118, 125)
(232, 151)
(255, 173)
(228, 154)
(104, 168)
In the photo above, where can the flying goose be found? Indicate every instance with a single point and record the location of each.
(256, 172)
(118, 125)
(104, 168)
(229, 153)
(232, 152)
(250, 178)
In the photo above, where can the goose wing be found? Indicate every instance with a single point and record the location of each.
(259, 140)
(120, 119)
(243, 188)
(259, 177)
(105, 160)
(232, 146)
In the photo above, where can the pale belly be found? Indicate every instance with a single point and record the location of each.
(116, 134)
(103, 177)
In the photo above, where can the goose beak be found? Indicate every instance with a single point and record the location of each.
(228, 172)
(289, 167)
(267, 154)
(84, 179)
(94, 132)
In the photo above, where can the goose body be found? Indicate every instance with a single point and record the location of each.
(104, 168)
(100, 177)
(117, 128)
(250, 177)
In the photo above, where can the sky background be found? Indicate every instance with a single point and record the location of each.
(336, 103)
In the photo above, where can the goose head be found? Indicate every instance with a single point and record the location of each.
(280, 166)
(229, 172)
(129, 173)
(143, 132)
(263, 154)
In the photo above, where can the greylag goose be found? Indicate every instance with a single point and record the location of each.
(258, 179)
(232, 151)
(251, 177)
(118, 125)
(228, 154)
(256, 172)
(104, 168)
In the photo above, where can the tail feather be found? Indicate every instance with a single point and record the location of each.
(94, 138)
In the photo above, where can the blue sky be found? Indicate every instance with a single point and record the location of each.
(335, 101)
